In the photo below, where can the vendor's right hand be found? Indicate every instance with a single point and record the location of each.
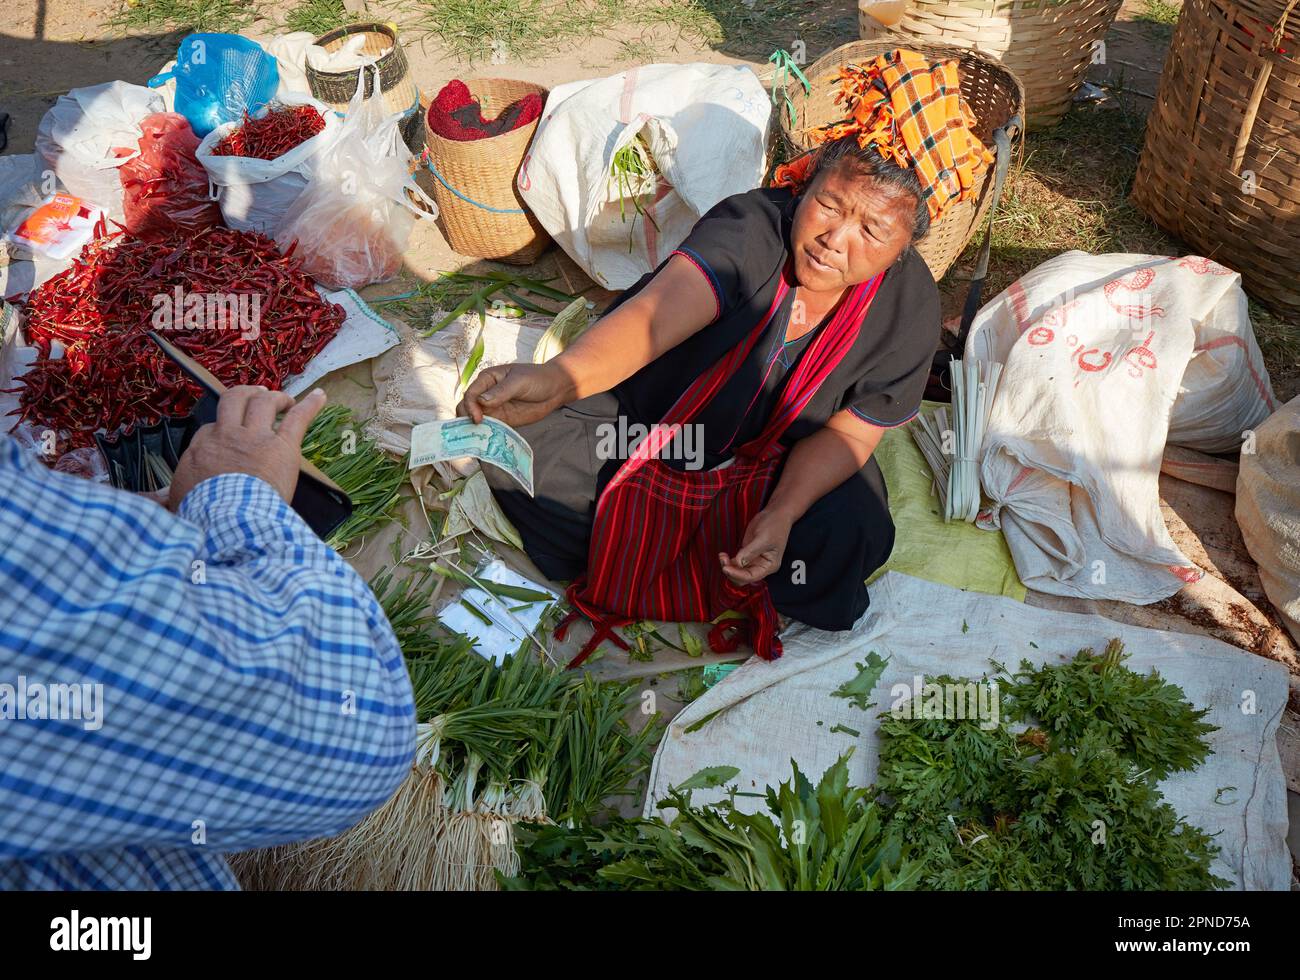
(246, 439)
(516, 393)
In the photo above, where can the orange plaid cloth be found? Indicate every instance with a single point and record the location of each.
(913, 113)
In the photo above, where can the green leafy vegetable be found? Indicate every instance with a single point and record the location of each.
(1070, 805)
(859, 689)
(828, 837)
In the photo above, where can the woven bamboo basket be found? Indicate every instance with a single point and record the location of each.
(1221, 164)
(1047, 43)
(995, 97)
(482, 214)
(336, 88)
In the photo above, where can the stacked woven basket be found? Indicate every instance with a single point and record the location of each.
(336, 88)
(1048, 44)
(1221, 164)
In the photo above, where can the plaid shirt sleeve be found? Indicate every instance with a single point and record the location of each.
(173, 687)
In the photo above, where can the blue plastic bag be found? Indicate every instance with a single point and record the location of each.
(219, 77)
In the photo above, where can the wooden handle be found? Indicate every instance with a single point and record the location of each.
(208, 381)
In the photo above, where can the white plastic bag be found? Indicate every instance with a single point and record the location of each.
(255, 194)
(351, 224)
(89, 133)
(705, 127)
(1096, 349)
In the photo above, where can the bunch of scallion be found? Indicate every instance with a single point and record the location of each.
(336, 443)
(456, 293)
(497, 745)
(632, 175)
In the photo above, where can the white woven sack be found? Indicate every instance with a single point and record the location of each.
(705, 127)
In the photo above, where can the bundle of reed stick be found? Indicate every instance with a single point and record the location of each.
(950, 440)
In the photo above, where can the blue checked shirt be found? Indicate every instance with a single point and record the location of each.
(251, 691)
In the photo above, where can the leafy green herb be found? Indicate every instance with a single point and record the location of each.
(846, 730)
(1070, 805)
(710, 778)
(859, 689)
(1144, 718)
(693, 645)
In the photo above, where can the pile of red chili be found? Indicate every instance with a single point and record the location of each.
(272, 135)
(98, 311)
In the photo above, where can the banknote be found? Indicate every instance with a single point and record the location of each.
(491, 441)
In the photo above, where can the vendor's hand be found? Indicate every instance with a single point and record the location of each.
(245, 439)
(515, 393)
(761, 550)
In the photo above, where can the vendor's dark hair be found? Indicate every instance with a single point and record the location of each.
(846, 152)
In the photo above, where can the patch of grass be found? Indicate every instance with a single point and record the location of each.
(317, 16)
(642, 50)
(1160, 12)
(1068, 191)
(188, 15)
(524, 29)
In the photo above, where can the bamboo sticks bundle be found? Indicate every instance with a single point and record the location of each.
(952, 450)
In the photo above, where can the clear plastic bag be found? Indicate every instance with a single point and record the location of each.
(351, 224)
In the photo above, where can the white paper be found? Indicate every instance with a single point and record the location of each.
(506, 633)
(364, 334)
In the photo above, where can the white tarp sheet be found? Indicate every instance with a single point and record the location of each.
(773, 708)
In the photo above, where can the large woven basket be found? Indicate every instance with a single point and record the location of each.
(482, 214)
(1047, 43)
(336, 88)
(995, 97)
(1221, 164)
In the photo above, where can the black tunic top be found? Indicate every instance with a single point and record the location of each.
(741, 245)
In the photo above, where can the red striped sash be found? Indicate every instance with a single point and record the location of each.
(658, 530)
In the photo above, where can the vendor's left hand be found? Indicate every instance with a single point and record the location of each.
(761, 550)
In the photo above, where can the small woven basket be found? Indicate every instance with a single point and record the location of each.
(1221, 164)
(1048, 44)
(995, 97)
(336, 88)
(481, 212)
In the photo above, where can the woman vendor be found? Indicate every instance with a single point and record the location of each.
(792, 327)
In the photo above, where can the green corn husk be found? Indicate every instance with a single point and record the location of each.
(568, 326)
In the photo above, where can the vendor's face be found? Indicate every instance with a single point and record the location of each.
(847, 228)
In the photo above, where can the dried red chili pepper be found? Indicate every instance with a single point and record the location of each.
(272, 135)
(107, 373)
